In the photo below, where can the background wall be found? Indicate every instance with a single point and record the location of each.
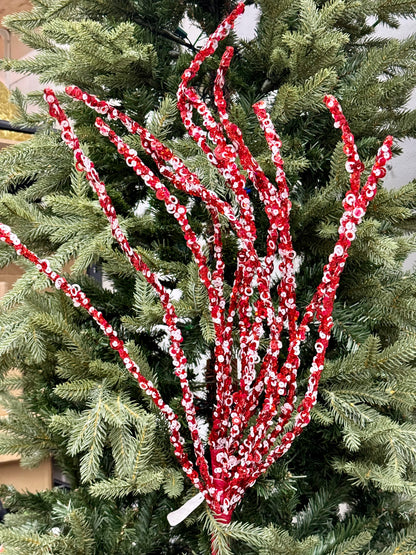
(18, 50)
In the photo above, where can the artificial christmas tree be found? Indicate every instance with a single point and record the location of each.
(365, 433)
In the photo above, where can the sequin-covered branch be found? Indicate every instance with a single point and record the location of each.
(257, 415)
(83, 163)
(79, 299)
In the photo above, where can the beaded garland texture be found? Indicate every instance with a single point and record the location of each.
(241, 447)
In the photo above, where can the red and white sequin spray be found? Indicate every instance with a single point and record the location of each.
(241, 447)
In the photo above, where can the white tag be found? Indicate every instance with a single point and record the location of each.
(175, 517)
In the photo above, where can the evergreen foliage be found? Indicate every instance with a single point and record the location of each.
(72, 400)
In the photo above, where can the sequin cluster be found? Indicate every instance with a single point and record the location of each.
(240, 450)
